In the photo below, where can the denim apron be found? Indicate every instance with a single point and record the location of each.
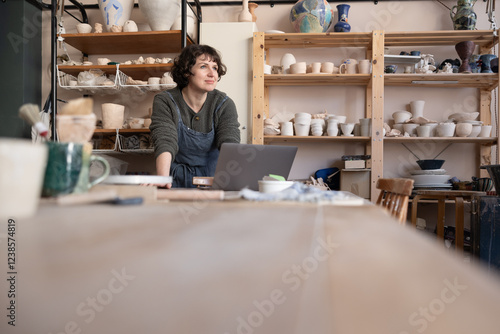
(197, 155)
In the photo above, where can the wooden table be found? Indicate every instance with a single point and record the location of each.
(238, 267)
(459, 196)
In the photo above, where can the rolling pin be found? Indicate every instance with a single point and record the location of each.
(190, 194)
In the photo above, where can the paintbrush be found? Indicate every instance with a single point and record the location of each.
(31, 114)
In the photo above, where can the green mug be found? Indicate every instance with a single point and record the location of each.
(67, 169)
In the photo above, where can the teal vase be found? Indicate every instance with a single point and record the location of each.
(342, 25)
(311, 16)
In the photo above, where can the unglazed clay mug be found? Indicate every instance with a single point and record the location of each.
(348, 68)
(67, 169)
(112, 115)
(327, 67)
(364, 66)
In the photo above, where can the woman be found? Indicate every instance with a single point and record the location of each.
(190, 122)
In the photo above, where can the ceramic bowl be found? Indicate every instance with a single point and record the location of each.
(464, 116)
(401, 116)
(411, 128)
(271, 186)
(446, 129)
(476, 129)
(135, 123)
(83, 28)
(430, 164)
(391, 68)
(298, 68)
(463, 129)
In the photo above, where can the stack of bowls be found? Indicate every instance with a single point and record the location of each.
(302, 123)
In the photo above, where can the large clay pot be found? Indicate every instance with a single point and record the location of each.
(342, 25)
(464, 17)
(115, 12)
(313, 16)
(161, 14)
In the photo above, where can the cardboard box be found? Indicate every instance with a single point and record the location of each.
(356, 181)
(355, 164)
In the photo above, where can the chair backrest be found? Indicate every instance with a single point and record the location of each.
(394, 196)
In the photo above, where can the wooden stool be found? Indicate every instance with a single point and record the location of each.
(441, 196)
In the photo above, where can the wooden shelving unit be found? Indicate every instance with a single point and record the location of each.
(374, 44)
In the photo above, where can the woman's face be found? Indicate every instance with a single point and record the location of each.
(204, 74)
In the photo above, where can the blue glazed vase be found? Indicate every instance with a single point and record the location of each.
(314, 16)
(485, 63)
(342, 25)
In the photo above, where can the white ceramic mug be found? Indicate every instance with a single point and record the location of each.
(364, 66)
(287, 129)
(23, 166)
(424, 131)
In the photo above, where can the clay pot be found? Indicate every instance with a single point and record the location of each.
(161, 14)
(463, 129)
(446, 129)
(465, 50)
(112, 115)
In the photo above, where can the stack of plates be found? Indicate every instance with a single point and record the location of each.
(430, 178)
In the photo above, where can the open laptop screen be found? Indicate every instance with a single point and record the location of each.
(243, 165)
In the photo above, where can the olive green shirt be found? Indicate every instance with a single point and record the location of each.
(165, 118)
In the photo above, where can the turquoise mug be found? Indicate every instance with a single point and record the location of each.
(68, 167)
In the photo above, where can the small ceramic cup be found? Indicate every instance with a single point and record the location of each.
(485, 131)
(154, 83)
(327, 67)
(83, 28)
(424, 131)
(286, 129)
(316, 67)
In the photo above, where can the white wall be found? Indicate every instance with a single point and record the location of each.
(363, 16)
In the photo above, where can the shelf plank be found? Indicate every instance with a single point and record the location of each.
(137, 72)
(307, 139)
(453, 80)
(310, 79)
(113, 131)
(474, 140)
(139, 42)
(307, 40)
(482, 38)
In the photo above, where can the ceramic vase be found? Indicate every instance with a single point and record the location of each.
(251, 7)
(312, 16)
(160, 14)
(486, 63)
(115, 12)
(474, 64)
(245, 15)
(342, 25)
(463, 15)
(417, 108)
(465, 50)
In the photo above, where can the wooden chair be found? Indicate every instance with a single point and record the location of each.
(394, 196)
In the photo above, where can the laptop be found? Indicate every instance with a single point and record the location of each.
(243, 165)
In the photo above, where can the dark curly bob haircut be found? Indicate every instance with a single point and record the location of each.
(181, 70)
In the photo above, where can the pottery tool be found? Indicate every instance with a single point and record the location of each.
(31, 114)
(103, 196)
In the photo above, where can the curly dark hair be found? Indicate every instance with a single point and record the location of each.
(181, 70)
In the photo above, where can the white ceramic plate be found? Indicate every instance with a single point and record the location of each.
(428, 172)
(430, 179)
(137, 179)
(430, 185)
